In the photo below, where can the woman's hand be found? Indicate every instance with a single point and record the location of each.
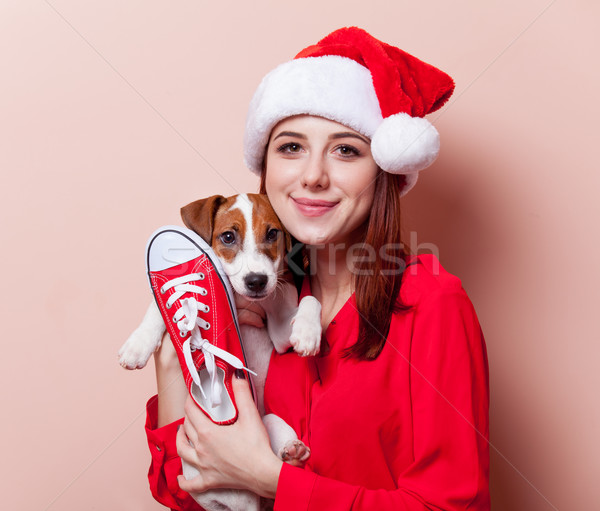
(249, 313)
(235, 456)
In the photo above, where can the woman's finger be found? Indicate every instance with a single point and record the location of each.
(243, 397)
(196, 485)
(195, 416)
(249, 312)
(191, 433)
(256, 308)
(184, 449)
(247, 317)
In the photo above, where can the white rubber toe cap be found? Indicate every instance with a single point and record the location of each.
(172, 245)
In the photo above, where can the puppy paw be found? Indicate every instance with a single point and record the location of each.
(306, 336)
(294, 452)
(136, 351)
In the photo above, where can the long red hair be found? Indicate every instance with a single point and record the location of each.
(377, 284)
(377, 288)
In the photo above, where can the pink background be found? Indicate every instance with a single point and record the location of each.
(116, 113)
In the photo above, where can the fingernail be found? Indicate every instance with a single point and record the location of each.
(239, 374)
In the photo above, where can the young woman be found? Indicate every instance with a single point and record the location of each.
(395, 407)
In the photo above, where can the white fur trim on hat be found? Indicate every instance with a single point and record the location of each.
(337, 88)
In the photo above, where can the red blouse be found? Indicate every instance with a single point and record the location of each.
(407, 431)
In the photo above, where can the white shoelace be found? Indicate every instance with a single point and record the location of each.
(187, 321)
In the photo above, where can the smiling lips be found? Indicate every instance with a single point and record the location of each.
(312, 207)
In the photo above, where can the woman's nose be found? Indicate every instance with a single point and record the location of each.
(315, 173)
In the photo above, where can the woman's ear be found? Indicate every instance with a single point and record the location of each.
(199, 216)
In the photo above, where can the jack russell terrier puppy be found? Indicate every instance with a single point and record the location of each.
(251, 243)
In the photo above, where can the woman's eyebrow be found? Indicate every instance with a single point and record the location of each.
(342, 134)
(290, 134)
(345, 134)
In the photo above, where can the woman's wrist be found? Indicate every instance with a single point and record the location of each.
(267, 478)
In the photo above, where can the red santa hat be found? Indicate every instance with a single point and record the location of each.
(363, 83)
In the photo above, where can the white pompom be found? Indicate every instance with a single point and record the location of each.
(405, 145)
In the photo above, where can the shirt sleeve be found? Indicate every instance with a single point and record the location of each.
(450, 401)
(166, 463)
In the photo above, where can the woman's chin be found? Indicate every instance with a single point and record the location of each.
(316, 239)
(309, 240)
(338, 236)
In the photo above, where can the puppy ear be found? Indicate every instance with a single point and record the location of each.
(199, 216)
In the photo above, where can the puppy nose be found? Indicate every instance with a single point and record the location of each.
(255, 281)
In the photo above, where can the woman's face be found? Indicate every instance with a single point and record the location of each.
(320, 179)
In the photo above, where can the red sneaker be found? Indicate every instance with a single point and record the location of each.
(196, 303)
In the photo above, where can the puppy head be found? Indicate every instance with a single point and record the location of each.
(246, 235)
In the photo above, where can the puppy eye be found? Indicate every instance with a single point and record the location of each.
(272, 234)
(228, 237)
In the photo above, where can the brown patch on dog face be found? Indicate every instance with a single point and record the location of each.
(221, 229)
(269, 233)
(229, 230)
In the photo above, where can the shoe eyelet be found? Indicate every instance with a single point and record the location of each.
(206, 308)
(162, 290)
(168, 306)
(206, 326)
(182, 334)
(204, 292)
(174, 320)
(201, 276)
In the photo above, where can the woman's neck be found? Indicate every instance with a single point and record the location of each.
(331, 279)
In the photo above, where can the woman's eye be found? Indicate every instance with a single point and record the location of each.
(348, 150)
(228, 237)
(290, 147)
(272, 234)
